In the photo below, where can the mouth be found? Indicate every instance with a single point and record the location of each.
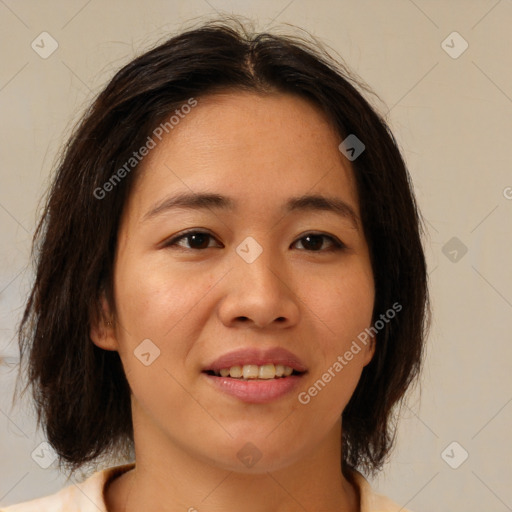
(256, 376)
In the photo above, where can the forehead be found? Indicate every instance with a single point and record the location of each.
(258, 146)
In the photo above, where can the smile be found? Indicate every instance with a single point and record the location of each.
(256, 375)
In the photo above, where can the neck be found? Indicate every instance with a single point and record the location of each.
(172, 479)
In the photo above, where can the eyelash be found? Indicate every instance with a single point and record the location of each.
(336, 244)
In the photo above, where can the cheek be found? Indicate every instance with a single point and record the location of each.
(342, 309)
(161, 310)
(154, 297)
(341, 304)
(353, 300)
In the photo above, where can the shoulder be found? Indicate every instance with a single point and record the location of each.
(77, 497)
(372, 502)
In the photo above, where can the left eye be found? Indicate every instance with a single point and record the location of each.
(314, 242)
(195, 240)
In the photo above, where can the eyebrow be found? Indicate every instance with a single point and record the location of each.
(317, 202)
(306, 202)
(191, 200)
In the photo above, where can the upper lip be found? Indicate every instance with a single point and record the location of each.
(258, 357)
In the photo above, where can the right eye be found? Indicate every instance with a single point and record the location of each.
(196, 240)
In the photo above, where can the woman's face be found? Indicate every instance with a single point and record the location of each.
(268, 277)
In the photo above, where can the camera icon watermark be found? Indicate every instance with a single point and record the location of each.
(352, 147)
(44, 455)
(507, 193)
(147, 352)
(249, 455)
(454, 45)
(454, 249)
(249, 250)
(44, 45)
(454, 455)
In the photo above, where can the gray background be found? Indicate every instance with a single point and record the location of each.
(453, 120)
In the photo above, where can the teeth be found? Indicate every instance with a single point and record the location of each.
(287, 371)
(267, 371)
(235, 371)
(253, 371)
(249, 371)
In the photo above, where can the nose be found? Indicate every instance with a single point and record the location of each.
(260, 294)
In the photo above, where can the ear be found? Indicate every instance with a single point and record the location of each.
(369, 350)
(102, 330)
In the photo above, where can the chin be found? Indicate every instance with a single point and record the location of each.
(253, 455)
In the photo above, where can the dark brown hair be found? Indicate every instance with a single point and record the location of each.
(81, 394)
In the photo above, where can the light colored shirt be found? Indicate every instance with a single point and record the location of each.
(88, 496)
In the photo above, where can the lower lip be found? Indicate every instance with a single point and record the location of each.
(255, 391)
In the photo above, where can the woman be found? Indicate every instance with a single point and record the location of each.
(230, 282)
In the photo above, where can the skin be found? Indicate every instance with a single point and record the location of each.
(198, 304)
